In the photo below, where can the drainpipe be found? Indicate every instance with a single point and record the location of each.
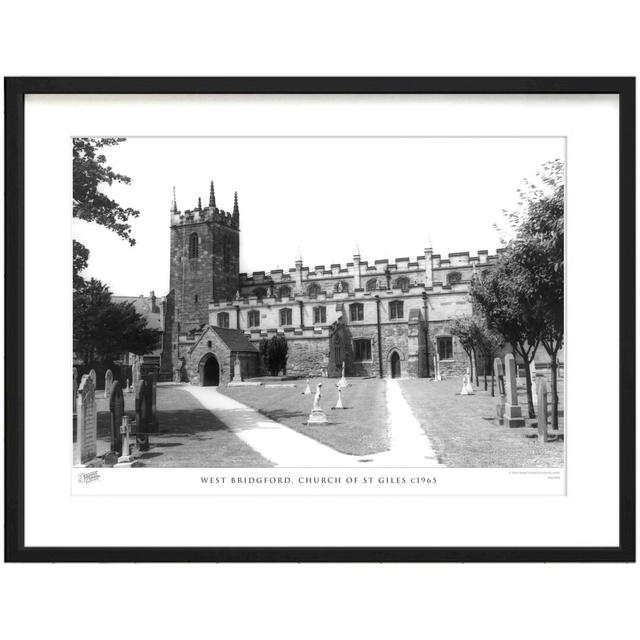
(301, 303)
(237, 316)
(426, 329)
(379, 335)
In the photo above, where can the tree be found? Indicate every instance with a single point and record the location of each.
(490, 344)
(274, 354)
(537, 252)
(90, 203)
(90, 173)
(102, 329)
(502, 297)
(464, 329)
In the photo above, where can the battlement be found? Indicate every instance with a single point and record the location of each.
(205, 214)
(377, 267)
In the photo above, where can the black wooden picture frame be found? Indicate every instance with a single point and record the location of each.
(15, 91)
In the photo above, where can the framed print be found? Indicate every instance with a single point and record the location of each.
(320, 319)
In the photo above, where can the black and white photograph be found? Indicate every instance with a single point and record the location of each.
(319, 302)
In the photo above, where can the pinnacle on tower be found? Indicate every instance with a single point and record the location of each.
(174, 205)
(236, 210)
(299, 256)
(212, 196)
(199, 204)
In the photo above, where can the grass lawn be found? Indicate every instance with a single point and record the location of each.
(359, 429)
(464, 433)
(189, 435)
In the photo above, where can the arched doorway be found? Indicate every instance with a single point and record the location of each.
(395, 365)
(210, 372)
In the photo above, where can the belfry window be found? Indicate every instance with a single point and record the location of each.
(193, 245)
(314, 290)
(223, 320)
(401, 283)
(284, 291)
(285, 317)
(454, 277)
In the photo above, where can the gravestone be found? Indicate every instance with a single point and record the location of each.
(307, 390)
(343, 381)
(464, 391)
(125, 460)
(512, 410)
(116, 408)
(237, 370)
(142, 439)
(75, 389)
(146, 421)
(543, 433)
(94, 375)
(108, 381)
(317, 416)
(87, 421)
(498, 371)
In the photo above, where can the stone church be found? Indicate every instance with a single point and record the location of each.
(381, 318)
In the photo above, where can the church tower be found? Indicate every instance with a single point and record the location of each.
(204, 261)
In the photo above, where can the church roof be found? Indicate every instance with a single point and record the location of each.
(234, 339)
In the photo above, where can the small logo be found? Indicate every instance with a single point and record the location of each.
(88, 477)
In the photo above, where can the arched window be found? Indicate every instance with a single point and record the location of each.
(223, 320)
(372, 285)
(259, 292)
(285, 317)
(484, 274)
(356, 311)
(284, 291)
(401, 283)
(361, 350)
(253, 318)
(341, 287)
(314, 290)
(454, 277)
(193, 245)
(396, 309)
(319, 315)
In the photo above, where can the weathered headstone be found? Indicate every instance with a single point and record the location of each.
(498, 371)
(317, 416)
(142, 439)
(542, 411)
(87, 421)
(116, 408)
(512, 410)
(75, 389)
(94, 375)
(108, 381)
(237, 370)
(146, 421)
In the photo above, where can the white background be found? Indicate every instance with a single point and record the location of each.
(330, 39)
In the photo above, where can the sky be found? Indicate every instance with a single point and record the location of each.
(325, 195)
